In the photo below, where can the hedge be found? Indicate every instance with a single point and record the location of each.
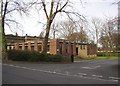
(33, 56)
(102, 54)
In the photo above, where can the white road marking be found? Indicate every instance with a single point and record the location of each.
(116, 78)
(66, 74)
(92, 67)
(82, 61)
(54, 72)
(82, 74)
(99, 76)
(11, 65)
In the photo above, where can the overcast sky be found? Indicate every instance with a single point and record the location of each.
(89, 8)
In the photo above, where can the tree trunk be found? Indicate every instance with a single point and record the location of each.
(107, 48)
(4, 45)
(45, 48)
(97, 39)
(54, 35)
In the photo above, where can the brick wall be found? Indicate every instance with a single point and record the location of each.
(56, 46)
(92, 50)
(53, 46)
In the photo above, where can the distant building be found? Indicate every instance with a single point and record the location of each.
(55, 46)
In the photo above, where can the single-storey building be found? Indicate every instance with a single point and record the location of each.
(55, 46)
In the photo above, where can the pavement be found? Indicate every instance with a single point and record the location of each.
(98, 71)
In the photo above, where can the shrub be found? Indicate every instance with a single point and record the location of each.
(18, 55)
(56, 58)
(33, 56)
(103, 54)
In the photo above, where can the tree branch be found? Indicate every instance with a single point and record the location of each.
(57, 5)
(63, 6)
(5, 9)
(51, 10)
(44, 6)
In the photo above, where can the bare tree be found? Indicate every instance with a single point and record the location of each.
(41, 34)
(73, 31)
(54, 29)
(0, 34)
(51, 9)
(107, 34)
(50, 18)
(67, 28)
(80, 36)
(8, 7)
(97, 23)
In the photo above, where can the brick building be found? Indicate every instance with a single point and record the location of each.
(55, 46)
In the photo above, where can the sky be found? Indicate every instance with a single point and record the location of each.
(89, 8)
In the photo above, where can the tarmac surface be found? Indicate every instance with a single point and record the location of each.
(97, 71)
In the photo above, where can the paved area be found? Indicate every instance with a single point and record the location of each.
(100, 71)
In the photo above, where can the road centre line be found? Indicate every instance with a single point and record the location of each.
(66, 74)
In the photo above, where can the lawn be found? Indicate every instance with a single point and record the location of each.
(98, 57)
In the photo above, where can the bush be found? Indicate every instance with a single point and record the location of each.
(103, 54)
(56, 58)
(33, 56)
(18, 55)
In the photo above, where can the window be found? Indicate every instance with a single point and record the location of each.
(10, 48)
(66, 47)
(84, 47)
(60, 48)
(39, 48)
(48, 47)
(20, 47)
(81, 47)
(72, 48)
(76, 50)
(26, 47)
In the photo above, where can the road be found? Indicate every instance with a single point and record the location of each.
(100, 71)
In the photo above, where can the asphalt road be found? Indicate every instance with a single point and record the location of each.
(101, 71)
